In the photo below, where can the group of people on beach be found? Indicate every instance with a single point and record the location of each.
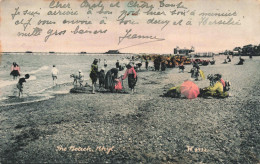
(241, 60)
(110, 79)
(217, 88)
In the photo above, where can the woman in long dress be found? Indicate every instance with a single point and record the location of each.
(132, 77)
(94, 74)
(110, 79)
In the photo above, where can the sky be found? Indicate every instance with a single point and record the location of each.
(205, 38)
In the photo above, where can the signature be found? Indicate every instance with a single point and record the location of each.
(129, 35)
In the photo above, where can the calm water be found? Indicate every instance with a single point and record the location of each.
(39, 67)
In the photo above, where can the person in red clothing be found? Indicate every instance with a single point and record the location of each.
(132, 77)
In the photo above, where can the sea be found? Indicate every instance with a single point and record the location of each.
(40, 85)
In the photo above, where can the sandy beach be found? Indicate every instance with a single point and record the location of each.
(141, 127)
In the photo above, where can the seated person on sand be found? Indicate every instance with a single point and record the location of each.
(225, 62)
(228, 58)
(212, 62)
(241, 61)
(216, 90)
(174, 92)
(20, 84)
(138, 66)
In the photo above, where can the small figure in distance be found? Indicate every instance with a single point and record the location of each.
(54, 73)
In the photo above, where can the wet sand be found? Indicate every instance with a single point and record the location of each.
(141, 127)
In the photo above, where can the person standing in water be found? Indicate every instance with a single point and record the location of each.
(15, 70)
(94, 74)
(20, 84)
(54, 73)
(132, 77)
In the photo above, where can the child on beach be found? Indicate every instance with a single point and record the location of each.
(132, 77)
(20, 84)
(15, 70)
(81, 78)
(54, 73)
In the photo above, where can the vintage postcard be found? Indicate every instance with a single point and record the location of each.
(129, 81)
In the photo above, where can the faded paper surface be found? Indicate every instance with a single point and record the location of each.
(206, 25)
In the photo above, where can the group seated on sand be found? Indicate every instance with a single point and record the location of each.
(218, 88)
(110, 82)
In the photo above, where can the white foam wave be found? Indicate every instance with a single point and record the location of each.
(5, 83)
(3, 98)
(43, 68)
(26, 102)
(32, 78)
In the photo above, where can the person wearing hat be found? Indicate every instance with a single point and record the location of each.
(54, 73)
(217, 90)
(20, 84)
(132, 77)
(94, 74)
